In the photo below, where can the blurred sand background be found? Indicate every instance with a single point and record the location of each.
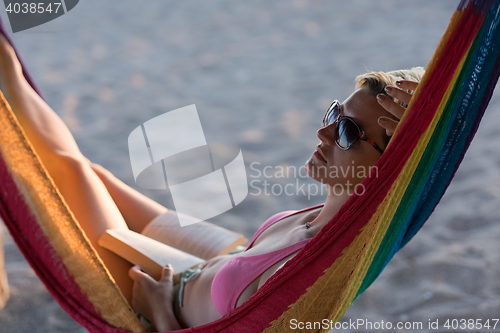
(261, 74)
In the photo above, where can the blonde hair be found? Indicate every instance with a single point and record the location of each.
(375, 82)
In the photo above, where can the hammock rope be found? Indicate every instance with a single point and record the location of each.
(334, 268)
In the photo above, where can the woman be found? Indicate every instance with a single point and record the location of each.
(353, 133)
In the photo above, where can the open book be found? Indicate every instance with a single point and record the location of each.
(164, 242)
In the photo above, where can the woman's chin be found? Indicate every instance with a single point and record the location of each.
(308, 166)
(312, 173)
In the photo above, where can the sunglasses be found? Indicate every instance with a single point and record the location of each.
(347, 131)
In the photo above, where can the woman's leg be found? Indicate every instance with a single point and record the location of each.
(81, 188)
(136, 208)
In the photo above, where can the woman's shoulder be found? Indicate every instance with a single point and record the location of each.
(270, 221)
(278, 216)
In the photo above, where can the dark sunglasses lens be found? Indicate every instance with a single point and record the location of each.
(347, 133)
(332, 114)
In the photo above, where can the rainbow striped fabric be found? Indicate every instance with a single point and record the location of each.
(472, 48)
(324, 278)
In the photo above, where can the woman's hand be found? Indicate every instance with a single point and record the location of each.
(394, 108)
(153, 299)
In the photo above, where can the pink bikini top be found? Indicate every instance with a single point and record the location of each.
(236, 274)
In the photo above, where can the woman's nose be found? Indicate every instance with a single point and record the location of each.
(327, 134)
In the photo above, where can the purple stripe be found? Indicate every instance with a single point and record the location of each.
(482, 5)
(462, 4)
(485, 5)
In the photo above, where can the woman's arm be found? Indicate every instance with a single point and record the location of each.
(153, 299)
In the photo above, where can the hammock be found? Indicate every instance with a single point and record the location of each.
(324, 278)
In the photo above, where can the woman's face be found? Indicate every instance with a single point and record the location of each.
(344, 169)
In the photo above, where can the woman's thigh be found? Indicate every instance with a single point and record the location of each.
(137, 209)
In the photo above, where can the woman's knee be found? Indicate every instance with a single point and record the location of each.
(64, 166)
(101, 171)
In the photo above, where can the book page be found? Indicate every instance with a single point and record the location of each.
(202, 239)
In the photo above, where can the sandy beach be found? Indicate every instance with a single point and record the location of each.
(261, 74)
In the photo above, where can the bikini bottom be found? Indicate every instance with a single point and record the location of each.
(184, 277)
